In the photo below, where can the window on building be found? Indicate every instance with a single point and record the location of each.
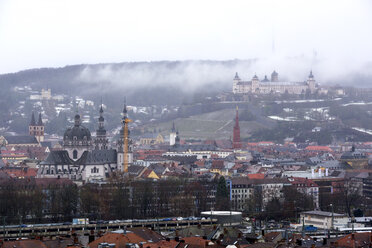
(94, 170)
(74, 154)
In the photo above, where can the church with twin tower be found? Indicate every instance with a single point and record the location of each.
(85, 158)
(36, 128)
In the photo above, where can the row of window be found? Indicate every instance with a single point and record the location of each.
(37, 128)
(241, 190)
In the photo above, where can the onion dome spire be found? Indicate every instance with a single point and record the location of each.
(236, 76)
(311, 74)
(77, 120)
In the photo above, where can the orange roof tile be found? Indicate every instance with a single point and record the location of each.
(117, 238)
(355, 240)
(256, 176)
(162, 243)
(196, 241)
(146, 233)
(28, 243)
(200, 163)
(319, 148)
(18, 173)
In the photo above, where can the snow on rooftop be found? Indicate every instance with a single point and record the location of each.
(363, 130)
(278, 118)
(356, 103)
(301, 101)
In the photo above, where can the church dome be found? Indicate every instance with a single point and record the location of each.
(77, 132)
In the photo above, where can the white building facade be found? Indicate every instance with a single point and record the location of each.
(324, 220)
(273, 86)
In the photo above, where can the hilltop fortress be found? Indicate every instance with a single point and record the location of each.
(273, 86)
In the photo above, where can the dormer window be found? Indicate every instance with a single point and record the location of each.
(75, 138)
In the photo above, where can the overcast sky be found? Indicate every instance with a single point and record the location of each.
(47, 33)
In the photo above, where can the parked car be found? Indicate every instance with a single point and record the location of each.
(311, 228)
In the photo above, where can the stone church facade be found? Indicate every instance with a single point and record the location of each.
(84, 158)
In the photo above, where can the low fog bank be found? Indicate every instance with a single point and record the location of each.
(190, 76)
(175, 82)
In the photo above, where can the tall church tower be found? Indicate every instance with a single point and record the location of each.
(120, 144)
(172, 136)
(36, 129)
(236, 131)
(311, 82)
(177, 142)
(101, 141)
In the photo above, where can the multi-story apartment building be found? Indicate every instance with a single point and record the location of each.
(243, 189)
(306, 186)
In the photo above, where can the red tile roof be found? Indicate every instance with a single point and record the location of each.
(20, 172)
(355, 240)
(146, 234)
(196, 241)
(200, 163)
(162, 243)
(218, 164)
(319, 148)
(237, 166)
(256, 176)
(146, 173)
(120, 240)
(28, 243)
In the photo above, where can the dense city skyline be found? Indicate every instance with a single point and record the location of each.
(224, 124)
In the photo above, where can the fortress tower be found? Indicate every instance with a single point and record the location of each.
(274, 77)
